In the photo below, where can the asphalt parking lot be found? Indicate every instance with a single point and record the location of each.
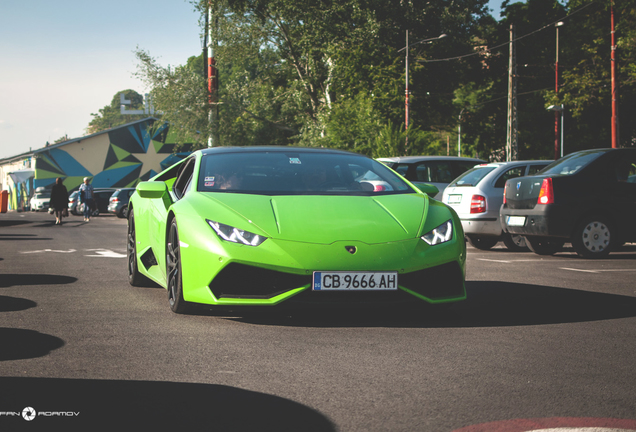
(541, 342)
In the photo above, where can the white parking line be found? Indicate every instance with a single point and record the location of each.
(526, 260)
(598, 271)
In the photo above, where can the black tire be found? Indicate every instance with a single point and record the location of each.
(124, 212)
(594, 237)
(134, 277)
(515, 243)
(482, 242)
(173, 271)
(544, 245)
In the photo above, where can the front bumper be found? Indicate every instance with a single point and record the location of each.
(277, 270)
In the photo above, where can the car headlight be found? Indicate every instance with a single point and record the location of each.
(235, 235)
(441, 234)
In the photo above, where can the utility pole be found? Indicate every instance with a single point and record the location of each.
(556, 91)
(615, 139)
(511, 133)
(213, 85)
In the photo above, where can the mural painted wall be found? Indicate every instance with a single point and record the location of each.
(121, 157)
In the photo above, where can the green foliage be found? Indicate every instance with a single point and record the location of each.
(331, 74)
(110, 116)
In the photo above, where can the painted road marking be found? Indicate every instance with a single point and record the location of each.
(598, 271)
(105, 253)
(48, 250)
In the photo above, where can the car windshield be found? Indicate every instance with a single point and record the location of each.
(473, 176)
(297, 173)
(571, 164)
(42, 195)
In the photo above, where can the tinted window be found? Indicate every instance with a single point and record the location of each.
(297, 173)
(533, 169)
(573, 163)
(509, 174)
(434, 172)
(473, 176)
(401, 169)
(464, 166)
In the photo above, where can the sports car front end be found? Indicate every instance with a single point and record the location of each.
(276, 235)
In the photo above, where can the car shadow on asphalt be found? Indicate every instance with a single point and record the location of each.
(9, 280)
(88, 404)
(13, 222)
(489, 304)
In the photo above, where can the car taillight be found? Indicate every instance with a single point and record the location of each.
(478, 204)
(114, 200)
(546, 194)
(379, 188)
(505, 186)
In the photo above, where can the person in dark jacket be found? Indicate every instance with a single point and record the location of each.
(59, 200)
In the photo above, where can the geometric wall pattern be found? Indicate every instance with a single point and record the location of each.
(120, 157)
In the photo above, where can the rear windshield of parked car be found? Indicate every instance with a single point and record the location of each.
(571, 164)
(297, 173)
(473, 176)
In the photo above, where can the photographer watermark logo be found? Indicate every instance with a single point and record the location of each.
(28, 413)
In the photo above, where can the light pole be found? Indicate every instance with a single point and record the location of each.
(406, 92)
(558, 109)
(459, 133)
(556, 91)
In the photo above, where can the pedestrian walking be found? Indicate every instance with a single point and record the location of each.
(87, 196)
(59, 200)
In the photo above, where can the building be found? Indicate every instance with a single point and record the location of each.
(118, 157)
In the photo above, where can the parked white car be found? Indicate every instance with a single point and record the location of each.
(477, 195)
(40, 200)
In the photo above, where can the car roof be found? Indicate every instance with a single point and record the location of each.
(511, 163)
(282, 149)
(411, 159)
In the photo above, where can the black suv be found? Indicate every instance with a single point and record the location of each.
(587, 198)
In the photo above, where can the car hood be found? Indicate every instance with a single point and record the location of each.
(324, 219)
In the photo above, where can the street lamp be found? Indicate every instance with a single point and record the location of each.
(406, 92)
(556, 92)
(558, 109)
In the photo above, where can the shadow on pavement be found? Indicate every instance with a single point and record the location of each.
(145, 405)
(18, 344)
(14, 304)
(9, 280)
(489, 304)
(13, 222)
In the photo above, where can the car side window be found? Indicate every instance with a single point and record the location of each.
(184, 179)
(435, 172)
(461, 167)
(401, 169)
(509, 174)
(625, 170)
(533, 169)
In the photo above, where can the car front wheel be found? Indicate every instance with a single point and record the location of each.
(515, 243)
(173, 270)
(134, 277)
(482, 242)
(593, 238)
(543, 245)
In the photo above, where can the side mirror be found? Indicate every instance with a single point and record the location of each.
(428, 189)
(152, 189)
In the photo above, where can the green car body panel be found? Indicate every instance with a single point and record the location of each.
(304, 233)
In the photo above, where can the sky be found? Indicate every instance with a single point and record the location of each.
(62, 60)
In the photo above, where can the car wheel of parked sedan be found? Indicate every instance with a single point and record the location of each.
(515, 243)
(134, 277)
(543, 245)
(173, 271)
(593, 238)
(482, 242)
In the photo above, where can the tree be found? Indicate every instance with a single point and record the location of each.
(110, 116)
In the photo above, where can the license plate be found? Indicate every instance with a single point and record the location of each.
(516, 220)
(354, 281)
(454, 199)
